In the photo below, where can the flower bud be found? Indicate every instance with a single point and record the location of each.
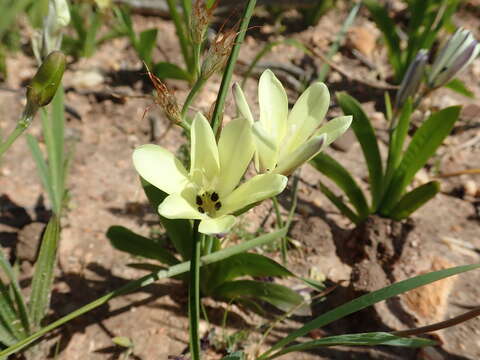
(459, 51)
(412, 78)
(45, 83)
(218, 53)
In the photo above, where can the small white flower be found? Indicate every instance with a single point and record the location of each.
(210, 191)
(284, 140)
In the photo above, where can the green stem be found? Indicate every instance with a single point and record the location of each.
(191, 96)
(22, 125)
(144, 281)
(227, 75)
(194, 293)
(283, 240)
(184, 44)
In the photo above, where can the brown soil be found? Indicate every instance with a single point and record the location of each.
(105, 191)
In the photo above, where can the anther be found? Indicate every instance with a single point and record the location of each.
(218, 205)
(198, 200)
(201, 209)
(214, 196)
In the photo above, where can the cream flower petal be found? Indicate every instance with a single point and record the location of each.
(307, 115)
(266, 151)
(256, 189)
(334, 128)
(204, 152)
(175, 206)
(160, 168)
(241, 102)
(235, 149)
(273, 104)
(217, 225)
(305, 152)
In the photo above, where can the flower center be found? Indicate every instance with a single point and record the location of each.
(208, 202)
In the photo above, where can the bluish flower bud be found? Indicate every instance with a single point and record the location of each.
(412, 78)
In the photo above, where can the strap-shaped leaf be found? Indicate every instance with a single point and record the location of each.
(126, 240)
(422, 147)
(365, 339)
(146, 44)
(179, 230)
(277, 295)
(365, 134)
(342, 178)
(338, 202)
(414, 199)
(366, 300)
(166, 70)
(43, 275)
(246, 264)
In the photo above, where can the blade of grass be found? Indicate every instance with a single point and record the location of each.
(228, 72)
(341, 206)
(365, 301)
(180, 29)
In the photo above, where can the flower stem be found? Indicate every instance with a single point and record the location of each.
(182, 37)
(22, 125)
(191, 96)
(283, 240)
(194, 293)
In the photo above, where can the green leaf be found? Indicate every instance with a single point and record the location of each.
(179, 230)
(338, 202)
(10, 325)
(21, 308)
(237, 355)
(126, 240)
(367, 300)
(166, 70)
(246, 264)
(414, 199)
(423, 146)
(365, 339)
(342, 178)
(43, 275)
(365, 134)
(146, 43)
(277, 295)
(389, 31)
(459, 86)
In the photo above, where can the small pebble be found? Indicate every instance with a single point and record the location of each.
(470, 187)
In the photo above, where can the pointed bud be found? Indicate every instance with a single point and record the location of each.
(45, 83)
(412, 78)
(304, 153)
(459, 51)
(218, 53)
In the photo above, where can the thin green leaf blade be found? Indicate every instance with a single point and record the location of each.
(44, 272)
(362, 339)
(11, 329)
(166, 70)
(338, 202)
(126, 240)
(365, 134)
(367, 300)
(342, 178)
(421, 148)
(146, 43)
(414, 199)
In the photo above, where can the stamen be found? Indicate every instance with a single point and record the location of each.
(201, 209)
(214, 196)
(218, 205)
(198, 200)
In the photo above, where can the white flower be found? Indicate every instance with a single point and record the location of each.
(284, 140)
(209, 191)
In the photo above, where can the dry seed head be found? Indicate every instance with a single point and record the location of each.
(218, 53)
(199, 20)
(165, 99)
